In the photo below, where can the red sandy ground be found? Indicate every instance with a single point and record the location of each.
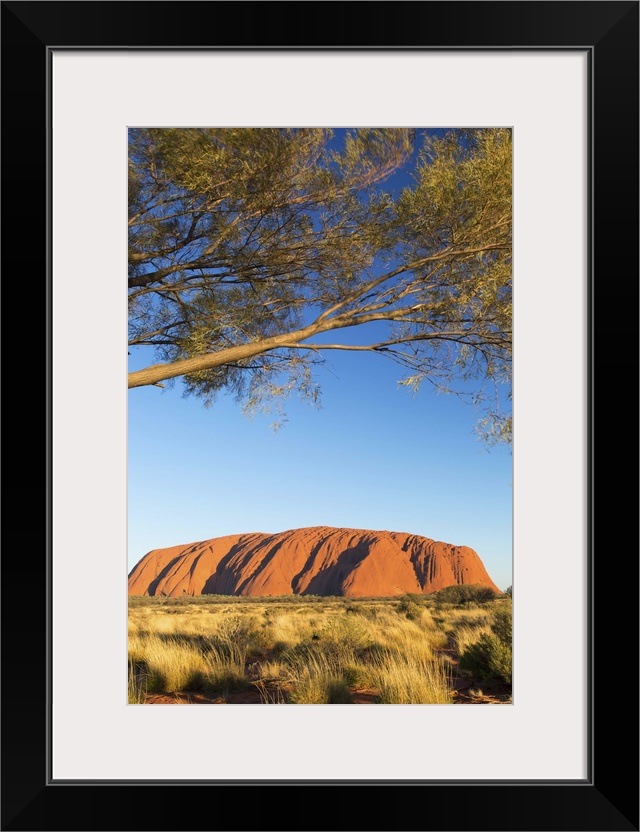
(466, 695)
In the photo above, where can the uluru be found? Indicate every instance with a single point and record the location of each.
(320, 560)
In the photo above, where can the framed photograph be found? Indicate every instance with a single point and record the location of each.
(562, 80)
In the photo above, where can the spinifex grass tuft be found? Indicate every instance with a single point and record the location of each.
(402, 680)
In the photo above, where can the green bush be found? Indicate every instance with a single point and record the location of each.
(503, 625)
(465, 594)
(488, 659)
(491, 656)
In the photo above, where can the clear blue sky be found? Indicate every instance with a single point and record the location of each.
(374, 456)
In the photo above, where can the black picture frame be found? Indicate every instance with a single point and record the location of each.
(608, 798)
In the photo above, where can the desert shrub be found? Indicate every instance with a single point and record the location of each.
(502, 625)
(410, 609)
(487, 659)
(465, 594)
(491, 656)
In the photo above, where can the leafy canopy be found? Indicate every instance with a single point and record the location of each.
(246, 244)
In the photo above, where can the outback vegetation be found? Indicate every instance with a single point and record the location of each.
(415, 649)
(253, 253)
(247, 247)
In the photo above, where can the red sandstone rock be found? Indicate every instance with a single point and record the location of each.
(315, 561)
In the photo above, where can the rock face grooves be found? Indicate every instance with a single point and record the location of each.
(320, 560)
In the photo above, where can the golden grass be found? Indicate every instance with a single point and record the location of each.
(465, 634)
(319, 680)
(402, 680)
(136, 687)
(471, 615)
(312, 653)
(171, 663)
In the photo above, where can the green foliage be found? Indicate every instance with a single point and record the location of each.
(491, 657)
(488, 659)
(465, 594)
(502, 625)
(246, 243)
